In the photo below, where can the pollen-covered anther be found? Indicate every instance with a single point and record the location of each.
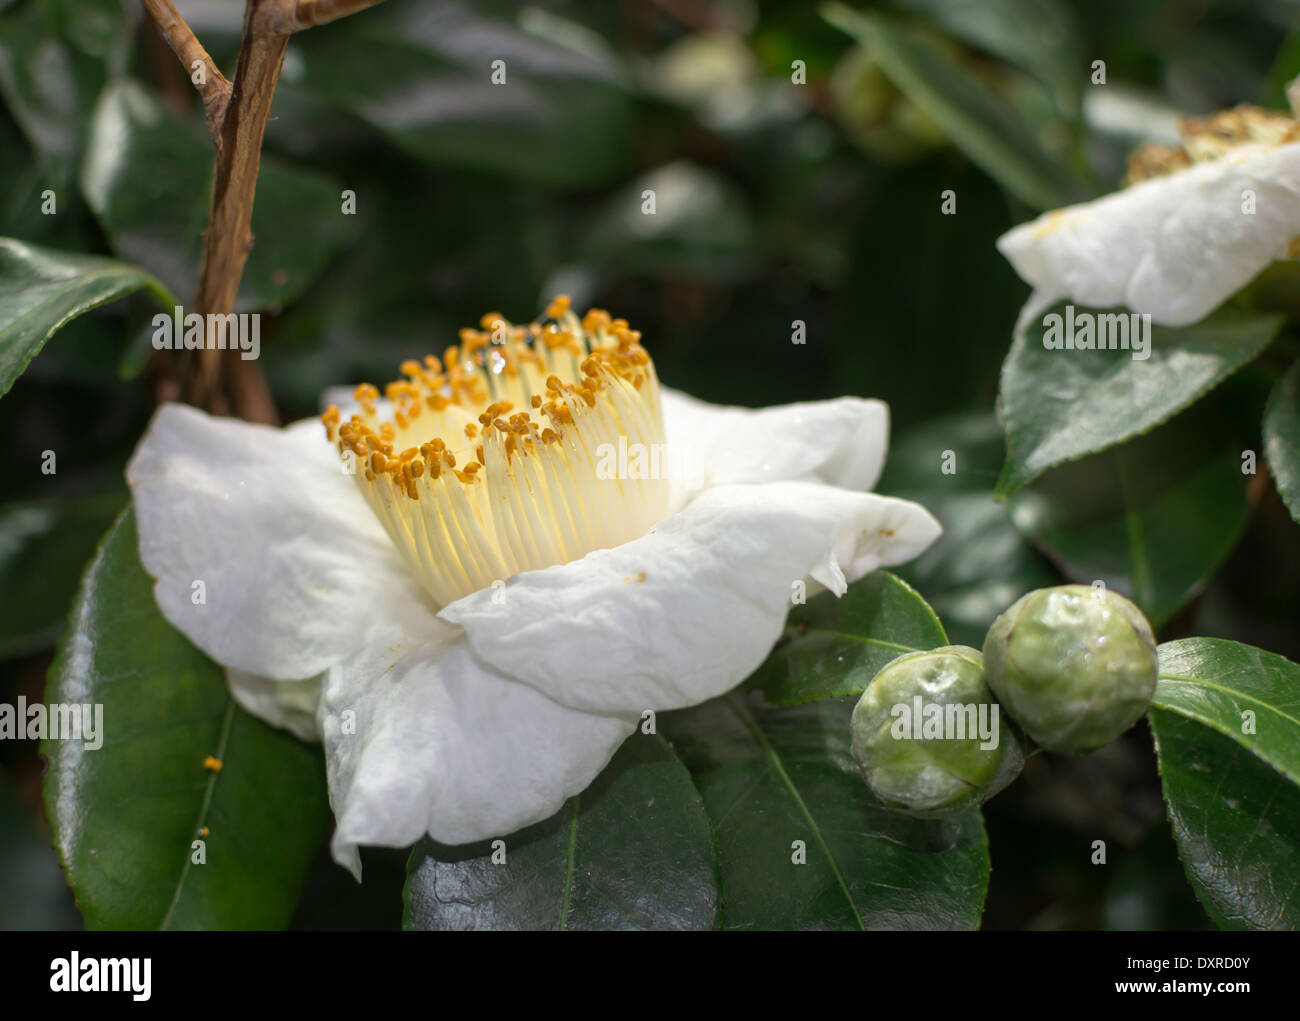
(1204, 139)
(534, 489)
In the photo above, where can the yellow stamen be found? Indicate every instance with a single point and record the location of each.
(533, 490)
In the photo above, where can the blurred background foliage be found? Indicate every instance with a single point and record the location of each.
(815, 199)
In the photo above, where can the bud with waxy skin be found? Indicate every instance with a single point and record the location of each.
(929, 737)
(1075, 665)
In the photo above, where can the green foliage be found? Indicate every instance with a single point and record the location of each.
(981, 564)
(157, 220)
(633, 851)
(776, 201)
(1153, 518)
(834, 646)
(126, 815)
(977, 120)
(1235, 820)
(1061, 407)
(42, 290)
(774, 777)
(1282, 438)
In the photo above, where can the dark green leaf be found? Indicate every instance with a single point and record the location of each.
(981, 564)
(1040, 36)
(422, 75)
(976, 120)
(125, 815)
(700, 227)
(44, 547)
(835, 646)
(1214, 682)
(632, 851)
(1060, 405)
(41, 289)
(49, 83)
(157, 219)
(773, 777)
(1282, 438)
(1153, 519)
(1236, 822)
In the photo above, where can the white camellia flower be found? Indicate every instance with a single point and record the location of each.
(474, 606)
(1196, 224)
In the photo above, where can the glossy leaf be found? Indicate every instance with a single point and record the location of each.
(422, 75)
(1153, 519)
(835, 646)
(1237, 823)
(1217, 682)
(125, 815)
(157, 219)
(981, 564)
(633, 851)
(976, 120)
(49, 81)
(781, 783)
(42, 289)
(44, 547)
(1061, 405)
(1282, 438)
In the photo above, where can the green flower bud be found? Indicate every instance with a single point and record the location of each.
(930, 738)
(1076, 666)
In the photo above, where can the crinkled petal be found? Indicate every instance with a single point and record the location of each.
(437, 741)
(688, 610)
(1176, 246)
(290, 705)
(296, 572)
(841, 442)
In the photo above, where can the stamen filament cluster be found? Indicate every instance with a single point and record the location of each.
(472, 490)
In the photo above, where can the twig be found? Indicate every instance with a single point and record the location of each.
(237, 114)
(306, 13)
(228, 239)
(214, 87)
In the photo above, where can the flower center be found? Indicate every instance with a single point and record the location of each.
(472, 491)
(1212, 138)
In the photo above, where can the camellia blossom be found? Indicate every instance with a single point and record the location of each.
(1195, 225)
(469, 598)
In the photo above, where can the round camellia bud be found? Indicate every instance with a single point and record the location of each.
(930, 738)
(1074, 665)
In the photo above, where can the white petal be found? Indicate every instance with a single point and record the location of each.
(1175, 246)
(841, 442)
(295, 570)
(687, 611)
(291, 705)
(438, 742)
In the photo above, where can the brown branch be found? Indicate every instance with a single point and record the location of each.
(307, 13)
(221, 380)
(228, 238)
(215, 88)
